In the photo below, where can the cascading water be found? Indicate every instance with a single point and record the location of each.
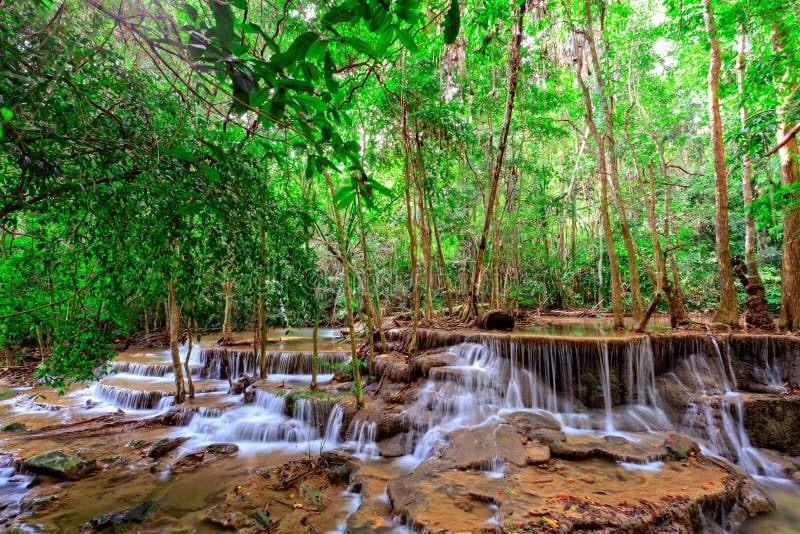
(715, 411)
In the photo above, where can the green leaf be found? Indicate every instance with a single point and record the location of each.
(243, 81)
(407, 10)
(181, 153)
(6, 114)
(384, 41)
(407, 40)
(359, 44)
(452, 22)
(223, 15)
(297, 50)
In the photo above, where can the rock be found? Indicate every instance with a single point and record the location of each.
(394, 366)
(188, 462)
(164, 445)
(774, 423)
(495, 320)
(58, 464)
(395, 446)
(528, 422)
(222, 449)
(239, 386)
(13, 427)
(119, 522)
(178, 416)
(249, 396)
(475, 448)
(295, 522)
(136, 443)
(681, 447)
(36, 504)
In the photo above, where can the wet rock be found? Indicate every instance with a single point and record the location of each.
(113, 460)
(614, 448)
(774, 423)
(681, 447)
(239, 386)
(337, 468)
(60, 465)
(178, 416)
(119, 522)
(393, 366)
(13, 427)
(423, 363)
(164, 446)
(188, 462)
(249, 396)
(475, 448)
(37, 504)
(135, 443)
(527, 422)
(222, 449)
(295, 522)
(495, 320)
(395, 446)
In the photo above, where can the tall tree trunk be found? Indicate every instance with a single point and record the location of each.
(607, 103)
(727, 312)
(790, 176)
(471, 309)
(174, 334)
(412, 240)
(370, 313)
(757, 313)
(227, 333)
(605, 222)
(186, 361)
(315, 352)
(441, 258)
(348, 296)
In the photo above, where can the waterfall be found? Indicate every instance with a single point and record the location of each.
(333, 427)
(132, 399)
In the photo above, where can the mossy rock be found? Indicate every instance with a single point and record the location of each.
(14, 427)
(60, 465)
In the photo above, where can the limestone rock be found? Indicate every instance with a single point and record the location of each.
(164, 446)
(58, 464)
(119, 522)
(222, 449)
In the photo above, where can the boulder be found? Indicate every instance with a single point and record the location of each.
(164, 445)
(60, 465)
(222, 449)
(240, 386)
(14, 427)
(119, 522)
(495, 320)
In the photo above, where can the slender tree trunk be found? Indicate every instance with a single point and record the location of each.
(605, 222)
(412, 240)
(348, 297)
(441, 258)
(514, 58)
(174, 334)
(227, 333)
(366, 285)
(790, 176)
(727, 312)
(315, 353)
(757, 313)
(186, 361)
(607, 103)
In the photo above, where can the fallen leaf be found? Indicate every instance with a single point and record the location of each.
(297, 505)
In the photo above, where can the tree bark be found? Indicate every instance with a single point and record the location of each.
(412, 240)
(727, 312)
(348, 297)
(186, 361)
(607, 103)
(227, 333)
(514, 58)
(174, 334)
(757, 313)
(790, 176)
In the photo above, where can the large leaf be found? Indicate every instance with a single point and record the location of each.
(223, 15)
(330, 83)
(452, 22)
